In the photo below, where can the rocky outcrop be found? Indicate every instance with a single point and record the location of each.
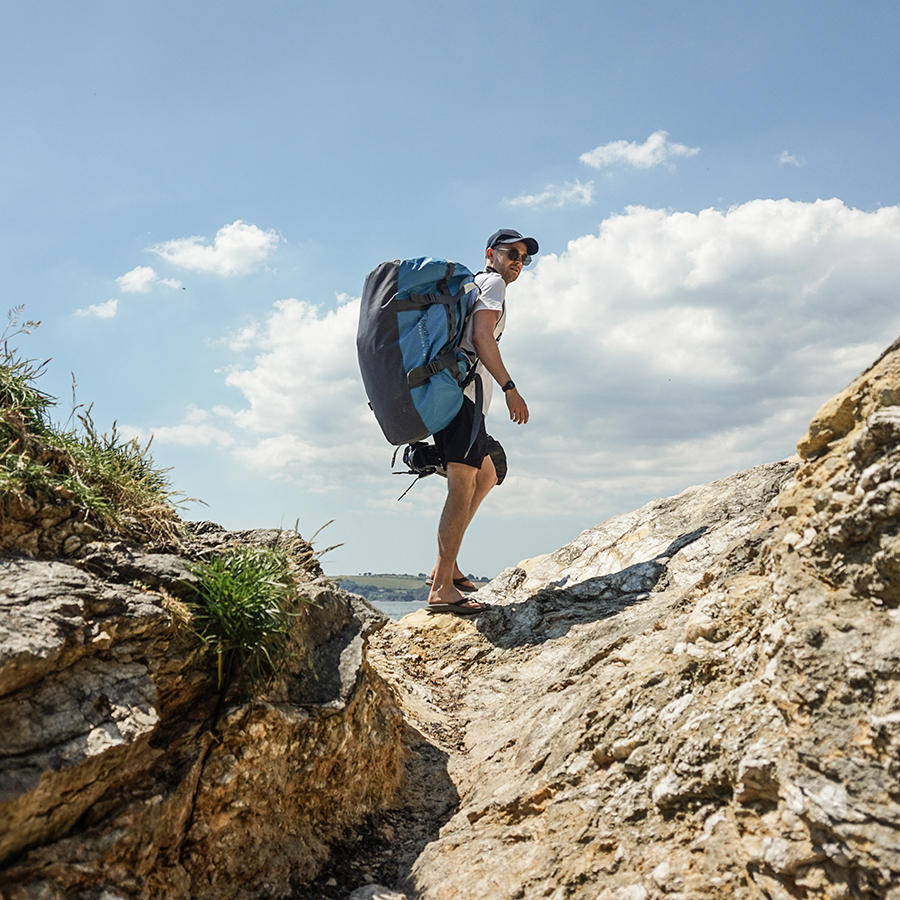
(698, 699)
(124, 773)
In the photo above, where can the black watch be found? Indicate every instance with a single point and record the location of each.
(509, 385)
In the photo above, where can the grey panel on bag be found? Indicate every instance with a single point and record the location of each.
(378, 348)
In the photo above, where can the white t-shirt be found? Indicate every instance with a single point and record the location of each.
(491, 295)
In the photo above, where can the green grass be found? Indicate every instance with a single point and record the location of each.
(114, 480)
(246, 600)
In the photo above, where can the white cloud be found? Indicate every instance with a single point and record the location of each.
(657, 149)
(668, 349)
(140, 280)
(306, 406)
(788, 159)
(306, 411)
(568, 194)
(671, 348)
(197, 429)
(237, 249)
(245, 338)
(100, 310)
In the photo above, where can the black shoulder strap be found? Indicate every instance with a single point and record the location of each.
(442, 284)
(479, 412)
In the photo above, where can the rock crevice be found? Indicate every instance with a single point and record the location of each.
(700, 698)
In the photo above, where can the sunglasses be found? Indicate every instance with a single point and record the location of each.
(514, 255)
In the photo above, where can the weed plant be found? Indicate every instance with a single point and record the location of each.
(246, 598)
(113, 479)
(125, 488)
(245, 601)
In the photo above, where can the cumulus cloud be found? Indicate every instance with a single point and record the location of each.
(140, 280)
(100, 310)
(305, 409)
(304, 395)
(238, 248)
(198, 428)
(667, 349)
(567, 194)
(655, 151)
(673, 347)
(788, 159)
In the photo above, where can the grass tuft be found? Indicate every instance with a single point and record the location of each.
(114, 480)
(246, 600)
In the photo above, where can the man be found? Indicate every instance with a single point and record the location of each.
(471, 473)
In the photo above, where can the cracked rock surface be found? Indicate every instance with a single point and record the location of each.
(123, 774)
(697, 699)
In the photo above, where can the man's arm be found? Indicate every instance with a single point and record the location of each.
(488, 351)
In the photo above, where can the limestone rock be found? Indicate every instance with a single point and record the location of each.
(697, 699)
(120, 769)
(376, 892)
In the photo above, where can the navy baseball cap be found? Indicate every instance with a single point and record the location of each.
(510, 236)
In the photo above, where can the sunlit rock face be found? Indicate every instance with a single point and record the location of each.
(122, 769)
(697, 699)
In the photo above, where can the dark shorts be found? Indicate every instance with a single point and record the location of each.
(452, 442)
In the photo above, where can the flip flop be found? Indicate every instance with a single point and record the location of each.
(457, 608)
(464, 584)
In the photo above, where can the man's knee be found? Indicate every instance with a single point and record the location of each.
(487, 475)
(461, 477)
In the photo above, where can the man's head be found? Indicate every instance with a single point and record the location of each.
(508, 251)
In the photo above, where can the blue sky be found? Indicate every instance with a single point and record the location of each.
(193, 195)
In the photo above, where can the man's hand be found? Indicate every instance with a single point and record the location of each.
(518, 411)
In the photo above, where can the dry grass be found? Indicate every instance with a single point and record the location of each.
(113, 479)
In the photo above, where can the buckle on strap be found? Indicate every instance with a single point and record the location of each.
(420, 374)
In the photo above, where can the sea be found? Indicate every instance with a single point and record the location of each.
(397, 609)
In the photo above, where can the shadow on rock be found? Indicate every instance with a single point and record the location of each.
(552, 611)
(382, 851)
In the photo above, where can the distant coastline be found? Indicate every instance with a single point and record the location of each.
(391, 587)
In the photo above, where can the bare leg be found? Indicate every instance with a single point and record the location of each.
(474, 484)
(459, 507)
(484, 481)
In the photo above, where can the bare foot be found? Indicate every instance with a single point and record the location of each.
(462, 606)
(444, 594)
(460, 580)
